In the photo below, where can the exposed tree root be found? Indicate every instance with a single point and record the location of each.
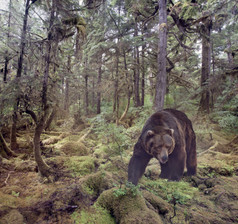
(209, 149)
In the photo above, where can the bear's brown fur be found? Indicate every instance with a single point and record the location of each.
(169, 137)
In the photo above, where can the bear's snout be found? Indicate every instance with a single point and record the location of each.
(164, 159)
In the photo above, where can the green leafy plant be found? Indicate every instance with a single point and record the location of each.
(15, 194)
(128, 188)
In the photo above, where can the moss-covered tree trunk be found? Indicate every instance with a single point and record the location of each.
(51, 118)
(99, 86)
(206, 63)
(13, 136)
(128, 89)
(43, 168)
(136, 69)
(5, 151)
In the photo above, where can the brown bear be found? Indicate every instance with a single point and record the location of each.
(169, 137)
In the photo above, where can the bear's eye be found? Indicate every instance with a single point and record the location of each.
(151, 144)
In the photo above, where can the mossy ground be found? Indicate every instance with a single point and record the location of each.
(92, 186)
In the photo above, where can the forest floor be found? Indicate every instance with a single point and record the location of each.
(90, 185)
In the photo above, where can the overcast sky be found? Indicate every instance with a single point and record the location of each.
(4, 4)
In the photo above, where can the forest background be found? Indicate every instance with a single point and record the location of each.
(105, 66)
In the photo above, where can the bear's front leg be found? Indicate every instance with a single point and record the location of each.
(173, 169)
(165, 171)
(136, 168)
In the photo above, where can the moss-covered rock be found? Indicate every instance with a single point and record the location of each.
(180, 191)
(13, 217)
(158, 203)
(51, 140)
(74, 148)
(95, 184)
(92, 215)
(100, 152)
(80, 165)
(128, 208)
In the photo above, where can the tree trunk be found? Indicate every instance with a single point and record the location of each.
(13, 135)
(143, 73)
(116, 86)
(51, 118)
(19, 72)
(93, 92)
(229, 52)
(206, 65)
(162, 52)
(5, 68)
(86, 94)
(44, 169)
(128, 89)
(99, 88)
(23, 40)
(5, 151)
(136, 70)
(66, 96)
(8, 38)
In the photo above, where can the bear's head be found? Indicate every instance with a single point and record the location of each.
(159, 145)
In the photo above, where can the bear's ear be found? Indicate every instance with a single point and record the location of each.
(150, 133)
(170, 132)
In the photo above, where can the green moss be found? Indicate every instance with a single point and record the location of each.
(9, 200)
(219, 166)
(128, 208)
(158, 203)
(94, 214)
(96, 183)
(74, 148)
(80, 165)
(14, 216)
(100, 152)
(181, 191)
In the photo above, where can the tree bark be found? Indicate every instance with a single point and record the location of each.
(5, 151)
(66, 96)
(23, 40)
(8, 38)
(128, 90)
(136, 69)
(51, 118)
(162, 52)
(13, 135)
(99, 88)
(19, 72)
(229, 51)
(43, 168)
(86, 94)
(206, 65)
(143, 73)
(116, 86)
